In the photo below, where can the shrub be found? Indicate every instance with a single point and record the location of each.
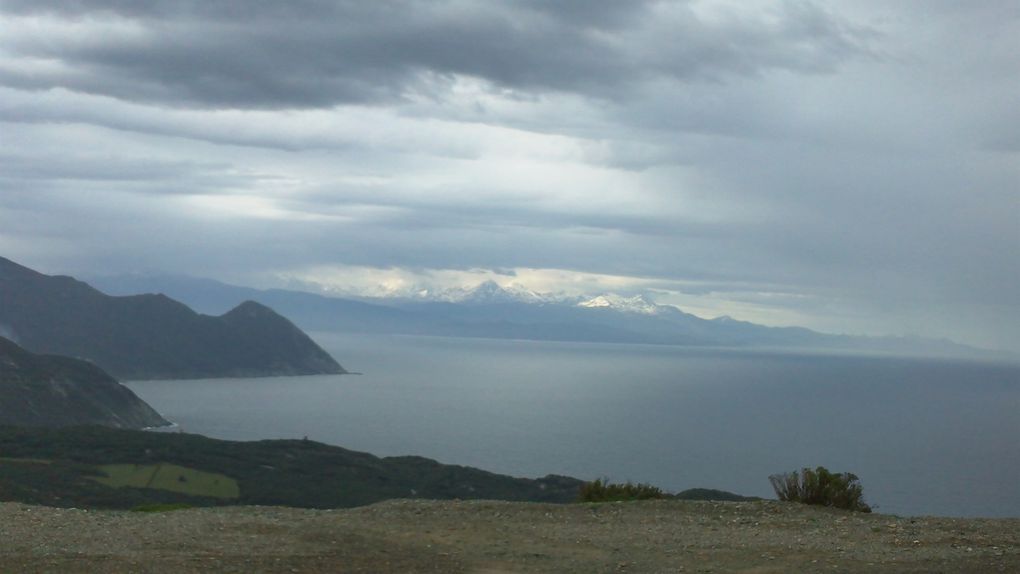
(603, 491)
(820, 487)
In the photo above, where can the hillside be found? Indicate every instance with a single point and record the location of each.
(60, 467)
(504, 537)
(41, 390)
(151, 336)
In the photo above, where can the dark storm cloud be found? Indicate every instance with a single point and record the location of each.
(317, 54)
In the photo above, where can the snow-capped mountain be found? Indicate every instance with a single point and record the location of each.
(637, 304)
(727, 320)
(490, 292)
(485, 293)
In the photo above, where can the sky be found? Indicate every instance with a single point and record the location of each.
(852, 167)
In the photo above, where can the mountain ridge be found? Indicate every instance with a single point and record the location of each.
(490, 311)
(151, 336)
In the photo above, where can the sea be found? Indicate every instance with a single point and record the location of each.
(925, 436)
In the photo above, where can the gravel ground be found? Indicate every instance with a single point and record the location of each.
(499, 537)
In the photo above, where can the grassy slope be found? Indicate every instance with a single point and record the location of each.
(170, 477)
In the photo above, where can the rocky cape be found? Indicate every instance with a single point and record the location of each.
(51, 391)
(151, 336)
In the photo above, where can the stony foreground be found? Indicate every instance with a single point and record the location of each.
(497, 537)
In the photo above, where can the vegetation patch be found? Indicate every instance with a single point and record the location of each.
(820, 487)
(604, 491)
(170, 477)
(300, 473)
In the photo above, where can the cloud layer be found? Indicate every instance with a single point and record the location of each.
(318, 53)
(850, 167)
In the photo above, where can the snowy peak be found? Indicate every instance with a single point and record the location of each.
(485, 293)
(600, 301)
(490, 292)
(636, 304)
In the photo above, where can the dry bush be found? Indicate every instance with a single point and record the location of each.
(820, 487)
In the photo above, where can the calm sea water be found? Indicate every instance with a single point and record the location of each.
(925, 436)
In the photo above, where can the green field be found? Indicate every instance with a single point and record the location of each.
(171, 477)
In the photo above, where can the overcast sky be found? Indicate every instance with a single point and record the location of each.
(848, 166)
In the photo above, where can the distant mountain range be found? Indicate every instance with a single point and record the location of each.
(151, 336)
(52, 391)
(491, 311)
(486, 292)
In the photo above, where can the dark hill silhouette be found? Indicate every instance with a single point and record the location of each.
(151, 336)
(52, 391)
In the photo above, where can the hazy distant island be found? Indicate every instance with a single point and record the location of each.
(52, 391)
(151, 336)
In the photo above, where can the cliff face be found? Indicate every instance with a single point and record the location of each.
(41, 390)
(151, 336)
